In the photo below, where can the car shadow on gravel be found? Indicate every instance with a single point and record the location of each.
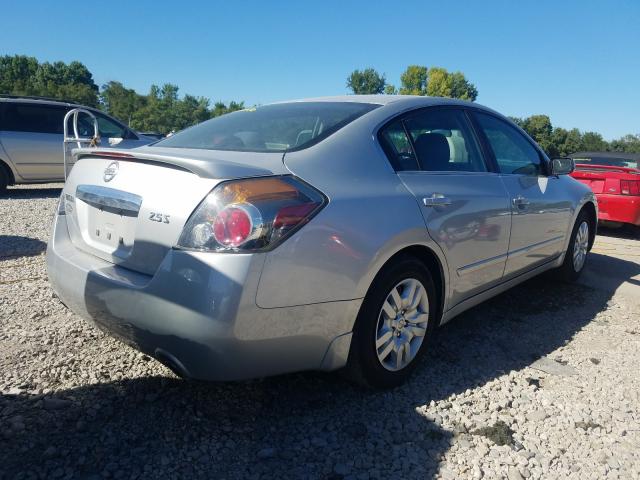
(628, 232)
(309, 425)
(22, 193)
(13, 246)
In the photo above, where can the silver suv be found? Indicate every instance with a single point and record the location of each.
(31, 131)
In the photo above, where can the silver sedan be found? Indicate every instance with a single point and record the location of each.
(316, 234)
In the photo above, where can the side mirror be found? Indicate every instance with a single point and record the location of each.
(562, 166)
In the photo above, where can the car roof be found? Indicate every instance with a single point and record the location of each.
(397, 102)
(384, 99)
(38, 100)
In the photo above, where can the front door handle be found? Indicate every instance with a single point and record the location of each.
(520, 201)
(436, 200)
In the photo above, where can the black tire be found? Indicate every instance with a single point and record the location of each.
(569, 272)
(4, 180)
(363, 366)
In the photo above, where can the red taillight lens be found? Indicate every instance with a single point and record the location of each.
(630, 187)
(251, 215)
(292, 215)
(232, 226)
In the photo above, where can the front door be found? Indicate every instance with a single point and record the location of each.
(541, 209)
(464, 205)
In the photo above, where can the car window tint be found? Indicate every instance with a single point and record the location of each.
(270, 128)
(513, 152)
(398, 148)
(443, 141)
(23, 117)
(85, 125)
(106, 127)
(109, 129)
(608, 161)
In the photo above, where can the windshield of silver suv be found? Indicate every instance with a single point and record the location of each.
(270, 128)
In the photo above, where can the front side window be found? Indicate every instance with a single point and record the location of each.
(443, 141)
(106, 127)
(34, 118)
(270, 128)
(513, 152)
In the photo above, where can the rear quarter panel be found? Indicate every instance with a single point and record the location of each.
(370, 216)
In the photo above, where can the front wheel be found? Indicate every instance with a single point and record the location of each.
(394, 325)
(4, 181)
(576, 256)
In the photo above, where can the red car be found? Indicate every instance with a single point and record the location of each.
(615, 179)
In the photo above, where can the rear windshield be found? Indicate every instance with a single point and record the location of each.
(271, 128)
(611, 162)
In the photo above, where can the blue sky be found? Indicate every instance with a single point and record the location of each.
(577, 61)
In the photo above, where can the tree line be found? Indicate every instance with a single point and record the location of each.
(438, 82)
(163, 109)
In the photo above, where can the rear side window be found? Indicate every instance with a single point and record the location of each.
(513, 152)
(270, 128)
(24, 117)
(398, 147)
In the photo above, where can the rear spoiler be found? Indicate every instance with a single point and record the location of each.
(203, 166)
(588, 167)
(126, 157)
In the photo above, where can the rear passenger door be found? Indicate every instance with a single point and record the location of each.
(31, 134)
(465, 206)
(540, 205)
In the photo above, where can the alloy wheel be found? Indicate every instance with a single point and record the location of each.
(402, 324)
(580, 246)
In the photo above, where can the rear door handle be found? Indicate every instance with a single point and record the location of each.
(436, 200)
(520, 201)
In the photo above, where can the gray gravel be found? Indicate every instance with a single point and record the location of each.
(541, 382)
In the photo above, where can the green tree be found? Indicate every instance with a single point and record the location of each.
(366, 82)
(593, 142)
(414, 81)
(440, 83)
(16, 74)
(565, 142)
(436, 82)
(462, 88)
(390, 89)
(219, 108)
(540, 129)
(628, 144)
(22, 75)
(120, 102)
(161, 110)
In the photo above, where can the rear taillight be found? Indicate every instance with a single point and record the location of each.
(630, 187)
(251, 214)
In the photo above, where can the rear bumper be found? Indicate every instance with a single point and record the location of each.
(619, 208)
(197, 313)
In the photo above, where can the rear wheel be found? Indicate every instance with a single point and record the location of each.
(394, 325)
(576, 256)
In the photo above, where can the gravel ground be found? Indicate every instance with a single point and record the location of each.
(540, 382)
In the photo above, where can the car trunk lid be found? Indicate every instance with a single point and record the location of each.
(604, 178)
(129, 208)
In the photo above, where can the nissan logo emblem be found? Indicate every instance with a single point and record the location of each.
(111, 171)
